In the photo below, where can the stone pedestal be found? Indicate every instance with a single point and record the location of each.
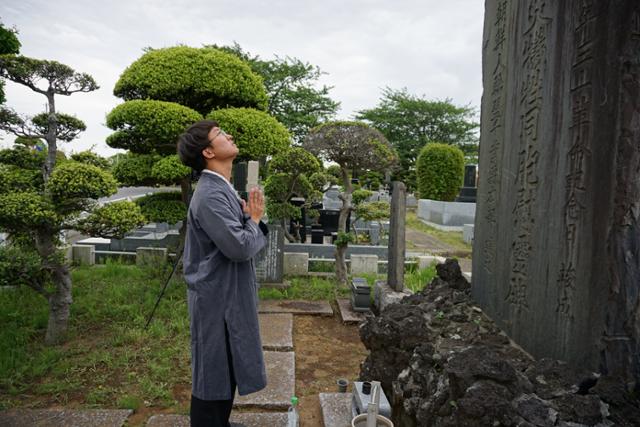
(83, 254)
(556, 258)
(364, 264)
(151, 256)
(383, 295)
(296, 263)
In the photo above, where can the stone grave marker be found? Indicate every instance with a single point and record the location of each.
(395, 272)
(252, 174)
(269, 261)
(556, 258)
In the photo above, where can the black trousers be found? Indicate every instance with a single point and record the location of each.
(214, 413)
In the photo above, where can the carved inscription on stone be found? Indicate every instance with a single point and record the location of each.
(581, 92)
(496, 132)
(533, 66)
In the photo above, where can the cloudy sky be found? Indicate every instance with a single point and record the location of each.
(431, 47)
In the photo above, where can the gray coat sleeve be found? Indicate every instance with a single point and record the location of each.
(238, 241)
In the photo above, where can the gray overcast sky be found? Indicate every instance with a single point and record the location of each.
(431, 47)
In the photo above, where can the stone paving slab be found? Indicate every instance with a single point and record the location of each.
(64, 417)
(276, 331)
(248, 419)
(320, 308)
(281, 373)
(336, 409)
(347, 313)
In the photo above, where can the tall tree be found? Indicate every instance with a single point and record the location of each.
(353, 146)
(410, 122)
(295, 98)
(35, 210)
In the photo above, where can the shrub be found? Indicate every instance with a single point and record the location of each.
(256, 133)
(163, 207)
(198, 78)
(440, 171)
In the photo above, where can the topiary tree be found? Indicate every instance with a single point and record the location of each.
(256, 133)
(42, 196)
(91, 158)
(202, 79)
(353, 146)
(167, 90)
(440, 171)
(292, 173)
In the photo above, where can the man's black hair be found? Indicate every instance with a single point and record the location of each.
(193, 141)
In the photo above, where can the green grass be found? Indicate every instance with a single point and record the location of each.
(416, 280)
(308, 288)
(109, 359)
(453, 238)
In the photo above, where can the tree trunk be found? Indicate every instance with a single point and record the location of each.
(59, 306)
(288, 235)
(51, 138)
(60, 300)
(341, 265)
(341, 251)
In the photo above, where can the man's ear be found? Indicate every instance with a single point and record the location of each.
(208, 153)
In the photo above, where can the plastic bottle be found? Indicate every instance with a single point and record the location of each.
(292, 413)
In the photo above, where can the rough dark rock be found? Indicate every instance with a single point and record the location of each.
(441, 370)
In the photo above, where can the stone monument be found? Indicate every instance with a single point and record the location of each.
(395, 273)
(269, 261)
(556, 253)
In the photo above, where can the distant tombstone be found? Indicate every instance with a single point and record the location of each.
(374, 234)
(269, 261)
(469, 191)
(331, 199)
(556, 258)
(329, 219)
(253, 170)
(239, 179)
(395, 272)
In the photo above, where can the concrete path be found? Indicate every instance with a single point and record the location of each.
(276, 331)
(281, 380)
(319, 308)
(336, 409)
(64, 418)
(347, 313)
(248, 419)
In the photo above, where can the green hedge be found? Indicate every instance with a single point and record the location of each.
(440, 171)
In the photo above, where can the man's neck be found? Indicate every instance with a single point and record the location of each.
(223, 169)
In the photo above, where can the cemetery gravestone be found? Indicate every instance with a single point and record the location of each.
(269, 261)
(556, 254)
(395, 273)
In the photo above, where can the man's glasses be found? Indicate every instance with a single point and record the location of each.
(220, 132)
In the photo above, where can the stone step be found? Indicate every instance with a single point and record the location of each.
(281, 372)
(319, 308)
(64, 417)
(336, 409)
(247, 419)
(276, 331)
(347, 313)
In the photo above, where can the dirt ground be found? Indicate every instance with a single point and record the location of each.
(326, 350)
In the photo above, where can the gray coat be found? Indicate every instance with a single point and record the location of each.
(220, 245)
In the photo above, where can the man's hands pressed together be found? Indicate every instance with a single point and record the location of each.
(255, 208)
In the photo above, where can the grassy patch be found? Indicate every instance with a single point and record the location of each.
(416, 280)
(453, 238)
(109, 358)
(308, 288)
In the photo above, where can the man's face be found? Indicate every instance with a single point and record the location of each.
(221, 145)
